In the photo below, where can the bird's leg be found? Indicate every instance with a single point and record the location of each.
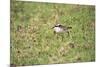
(55, 34)
(69, 35)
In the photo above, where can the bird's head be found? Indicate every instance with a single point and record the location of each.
(58, 25)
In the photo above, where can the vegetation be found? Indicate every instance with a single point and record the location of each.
(33, 41)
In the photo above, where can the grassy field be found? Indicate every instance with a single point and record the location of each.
(33, 41)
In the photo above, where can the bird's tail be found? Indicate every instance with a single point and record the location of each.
(69, 27)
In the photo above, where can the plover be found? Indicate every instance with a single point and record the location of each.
(58, 28)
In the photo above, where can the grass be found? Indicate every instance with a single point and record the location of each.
(33, 41)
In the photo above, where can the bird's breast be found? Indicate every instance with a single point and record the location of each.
(58, 29)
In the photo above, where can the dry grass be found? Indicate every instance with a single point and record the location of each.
(33, 41)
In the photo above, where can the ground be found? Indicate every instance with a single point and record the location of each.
(33, 40)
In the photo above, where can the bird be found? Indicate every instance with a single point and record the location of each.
(59, 28)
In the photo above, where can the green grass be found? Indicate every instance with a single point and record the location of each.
(33, 41)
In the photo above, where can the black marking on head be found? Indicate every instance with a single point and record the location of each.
(58, 25)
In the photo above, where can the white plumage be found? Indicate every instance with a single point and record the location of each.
(58, 29)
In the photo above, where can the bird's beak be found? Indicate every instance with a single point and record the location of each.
(52, 27)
